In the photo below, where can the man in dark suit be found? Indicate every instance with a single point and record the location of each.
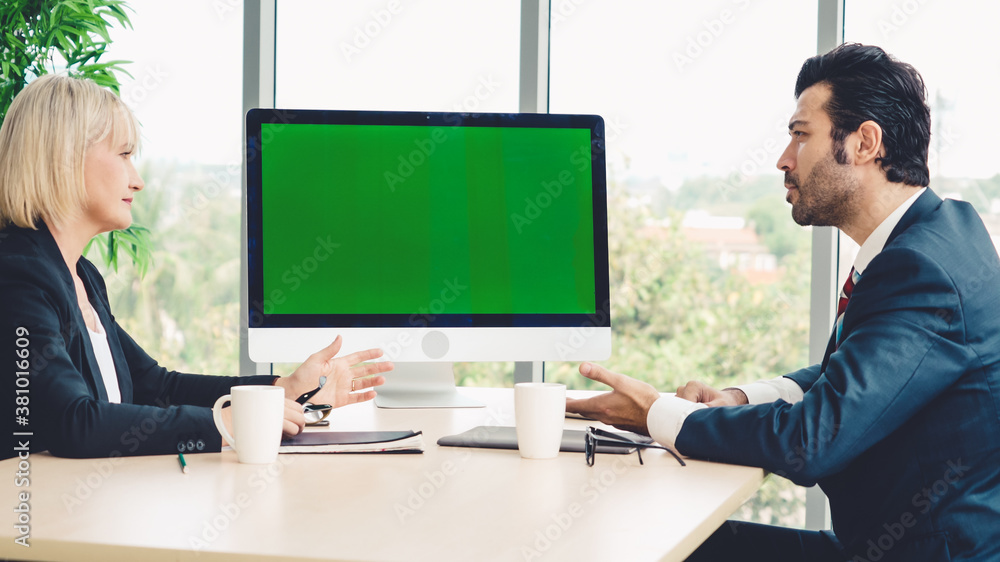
(900, 423)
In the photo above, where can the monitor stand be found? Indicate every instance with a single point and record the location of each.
(422, 385)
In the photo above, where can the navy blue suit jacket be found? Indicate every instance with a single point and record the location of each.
(900, 425)
(42, 333)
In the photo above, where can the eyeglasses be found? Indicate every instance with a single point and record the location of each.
(305, 397)
(595, 436)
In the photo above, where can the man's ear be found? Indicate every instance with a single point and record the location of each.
(868, 143)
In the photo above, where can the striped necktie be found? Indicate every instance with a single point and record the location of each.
(845, 295)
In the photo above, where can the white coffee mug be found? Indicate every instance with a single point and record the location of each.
(539, 413)
(258, 415)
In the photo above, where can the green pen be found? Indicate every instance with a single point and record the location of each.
(184, 464)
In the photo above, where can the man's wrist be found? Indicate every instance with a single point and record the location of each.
(738, 395)
(666, 417)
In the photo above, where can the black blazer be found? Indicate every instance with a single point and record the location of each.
(62, 398)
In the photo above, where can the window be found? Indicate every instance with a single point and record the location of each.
(709, 275)
(937, 39)
(394, 55)
(186, 94)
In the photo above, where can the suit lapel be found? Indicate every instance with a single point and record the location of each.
(830, 347)
(121, 366)
(924, 204)
(76, 330)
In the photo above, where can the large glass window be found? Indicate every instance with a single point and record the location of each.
(957, 51)
(185, 89)
(709, 275)
(447, 55)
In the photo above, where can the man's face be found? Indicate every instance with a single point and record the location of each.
(821, 191)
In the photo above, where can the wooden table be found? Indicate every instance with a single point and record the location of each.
(446, 504)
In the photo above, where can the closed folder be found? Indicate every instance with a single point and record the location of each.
(353, 442)
(502, 437)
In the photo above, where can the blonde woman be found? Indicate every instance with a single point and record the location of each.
(78, 384)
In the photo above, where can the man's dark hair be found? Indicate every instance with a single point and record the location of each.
(869, 85)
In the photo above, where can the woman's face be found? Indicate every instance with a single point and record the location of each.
(111, 181)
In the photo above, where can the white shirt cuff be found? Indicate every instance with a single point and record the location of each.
(667, 415)
(765, 392)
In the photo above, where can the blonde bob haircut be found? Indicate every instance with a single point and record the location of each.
(48, 129)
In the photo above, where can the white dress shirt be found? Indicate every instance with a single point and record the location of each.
(102, 351)
(667, 415)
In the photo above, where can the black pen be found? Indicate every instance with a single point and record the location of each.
(305, 397)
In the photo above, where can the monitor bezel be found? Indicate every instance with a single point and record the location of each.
(258, 314)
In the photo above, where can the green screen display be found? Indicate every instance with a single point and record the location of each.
(380, 219)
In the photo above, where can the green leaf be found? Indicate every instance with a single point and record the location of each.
(64, 43)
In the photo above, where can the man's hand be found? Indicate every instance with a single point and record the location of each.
(625, 407)
(703, 394)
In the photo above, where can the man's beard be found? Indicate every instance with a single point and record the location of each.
(828, 195)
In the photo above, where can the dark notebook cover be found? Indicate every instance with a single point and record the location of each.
(346, 437)
(354, 442)
(500, 437)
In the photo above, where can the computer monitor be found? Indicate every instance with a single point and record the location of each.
(438, 237)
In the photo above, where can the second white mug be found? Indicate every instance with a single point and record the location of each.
(539, 413)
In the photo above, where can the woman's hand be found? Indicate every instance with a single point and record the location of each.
(292, 424)
(343, 376)
(294, 420)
